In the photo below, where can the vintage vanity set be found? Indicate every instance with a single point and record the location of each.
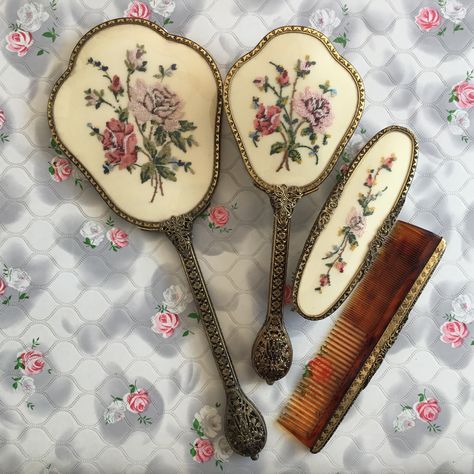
(149, 144)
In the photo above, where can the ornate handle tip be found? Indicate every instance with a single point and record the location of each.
(272, 353)
(245, 426)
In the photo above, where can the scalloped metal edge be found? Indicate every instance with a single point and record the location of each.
(145, 225)
(380, 236)
(308, 188)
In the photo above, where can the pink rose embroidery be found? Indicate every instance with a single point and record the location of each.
(117, 237)
(120, 142)
(454, 333)
(369, 182)
(156, 102)
(19, 42)
(464, 95)
(60, 169)
(32, 361)
(267, 119)
(3, 118)
(315, 108)
(3, 287)
(340, 265)
(427, 410)
(324, 280)
(387, 163)
(138, 10)
(259, 82)
(204, 450)
(428, 18)
(165, 323)
(219, 216)
(356, 221)
(287, 294)
(138, 401)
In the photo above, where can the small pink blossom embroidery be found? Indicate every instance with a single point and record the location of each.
(356, 220)
(340, 265)
(259, 82)
(116, 86)
(60, 169)
(137, 401)
(219, 216)
(428, 18)
(454, 333)
(283, 78)
(203, 450)
(120, 142)
(117, 238)
(19, 42)
(165, 323)
(138, 9)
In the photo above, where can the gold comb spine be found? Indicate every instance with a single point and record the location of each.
(383, 345)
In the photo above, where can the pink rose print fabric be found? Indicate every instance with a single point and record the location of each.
(136, 401)
(94, 234)
(138, 10)
(218, 217)
(210, 445)
(426, 410)
(20, 42)
(165, 323)
(455, 331)
(428, 18)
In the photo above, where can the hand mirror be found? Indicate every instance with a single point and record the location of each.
(293, 103)
(138, 111)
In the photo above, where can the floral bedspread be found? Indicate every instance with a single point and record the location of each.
(103, 364)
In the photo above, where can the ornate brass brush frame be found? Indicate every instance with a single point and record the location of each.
(244, 426)
(272, 352)
(379, 234)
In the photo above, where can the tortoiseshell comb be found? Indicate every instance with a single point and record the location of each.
(368, 325)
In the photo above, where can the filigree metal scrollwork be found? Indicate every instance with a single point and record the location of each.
(245, 428)
(272, 353)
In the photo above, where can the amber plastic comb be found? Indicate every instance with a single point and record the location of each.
(366, 328)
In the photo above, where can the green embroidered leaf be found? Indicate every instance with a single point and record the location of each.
(164, 155)
(306, 131)
(147, 171)
(277, 147)
(295, 155)
(186, 126)
(167, 173)
(150, 147)
(178, 140)
(160, 136)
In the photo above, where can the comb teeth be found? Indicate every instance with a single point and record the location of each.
(371, 317)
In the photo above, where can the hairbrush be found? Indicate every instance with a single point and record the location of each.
(352, 225)
(127, 114)
(368, 325)
(293, 103)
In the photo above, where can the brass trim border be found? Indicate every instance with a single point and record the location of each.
(308, 188)
(145, 225)
(378, 354)
(331, 204)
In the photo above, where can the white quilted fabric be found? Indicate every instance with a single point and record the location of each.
(91, 308)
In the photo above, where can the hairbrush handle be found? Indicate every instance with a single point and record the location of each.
(244, 425)
(272, 353)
